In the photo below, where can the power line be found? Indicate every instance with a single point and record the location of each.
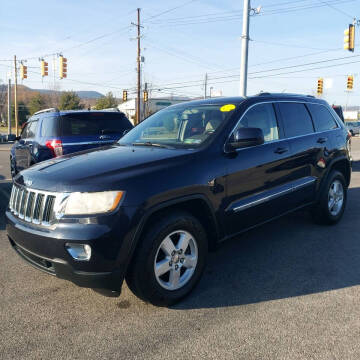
(237, 14)
(289, 45)
(200, 81)
(336, 9)
(169, 10)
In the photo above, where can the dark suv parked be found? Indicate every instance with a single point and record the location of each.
(50, 133)
(187, 178)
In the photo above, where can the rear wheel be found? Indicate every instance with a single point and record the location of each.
(169, 261)
(331, 205)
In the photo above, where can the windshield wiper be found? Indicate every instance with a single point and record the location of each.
(148, 143)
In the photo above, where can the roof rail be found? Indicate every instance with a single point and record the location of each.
(264, 94)
(312, 96)
(47, 110)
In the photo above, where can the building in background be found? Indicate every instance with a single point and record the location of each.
(150, 107)
(352, 115)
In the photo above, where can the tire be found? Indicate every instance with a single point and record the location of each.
(330, 208)
(163, 244)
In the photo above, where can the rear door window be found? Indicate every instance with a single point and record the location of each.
(323, 120)
(296, 119)
(31, 130)
(24, 131)
(94, 123)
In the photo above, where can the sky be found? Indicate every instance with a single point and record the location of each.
(293, 43)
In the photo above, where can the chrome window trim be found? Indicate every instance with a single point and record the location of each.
(279, 140)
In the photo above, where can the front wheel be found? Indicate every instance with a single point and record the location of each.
(169, 260)
(331, 205)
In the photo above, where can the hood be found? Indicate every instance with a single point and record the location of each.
(99, 169)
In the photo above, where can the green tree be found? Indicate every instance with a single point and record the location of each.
(36, 103)
(106, 102)
(69, 100)
(23, 113)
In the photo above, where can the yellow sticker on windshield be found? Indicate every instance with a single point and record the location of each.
(228, 107)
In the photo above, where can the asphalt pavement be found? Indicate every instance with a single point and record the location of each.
(287, 290)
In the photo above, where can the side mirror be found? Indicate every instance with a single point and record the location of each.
(246, 137)
(17, 138)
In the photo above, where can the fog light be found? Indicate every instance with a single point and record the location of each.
(80, 252)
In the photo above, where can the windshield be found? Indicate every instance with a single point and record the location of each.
(185, 126)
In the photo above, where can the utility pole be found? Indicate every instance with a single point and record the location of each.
(138, 116)
(244, 48)
(9, 106)
(205, 85)
(145, 103)
(15, 99)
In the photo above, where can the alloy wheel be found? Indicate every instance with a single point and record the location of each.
(335, 197)
(176, 260)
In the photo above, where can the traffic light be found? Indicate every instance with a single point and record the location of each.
(23, 71)
(320, 86)
(44, 68)
(125, 94)
(350, 82)
(146, 96)
(63, 67)
(349, 38)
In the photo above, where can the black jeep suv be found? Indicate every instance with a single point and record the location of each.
(148, 208)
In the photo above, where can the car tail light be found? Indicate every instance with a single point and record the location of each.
(55, 146)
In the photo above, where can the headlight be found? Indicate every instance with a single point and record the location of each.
(92, 203)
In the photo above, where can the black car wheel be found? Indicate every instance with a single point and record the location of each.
(331, 205)
(170, 260)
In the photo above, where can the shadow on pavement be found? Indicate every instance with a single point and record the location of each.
(5, 190)
(286, 258)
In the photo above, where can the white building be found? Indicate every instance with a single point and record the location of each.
(148, 108)
(351, 115)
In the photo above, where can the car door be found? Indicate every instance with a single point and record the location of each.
(328, 141)
(299, 130)
(20, 154)
(257, 182)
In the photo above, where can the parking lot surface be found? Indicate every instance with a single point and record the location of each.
(287, 290)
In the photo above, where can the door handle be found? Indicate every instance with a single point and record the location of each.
(322, 140)
(281, 150)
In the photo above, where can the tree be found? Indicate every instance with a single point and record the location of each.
(106, 102)
(69, 100)
(23, 113)
(36, 103)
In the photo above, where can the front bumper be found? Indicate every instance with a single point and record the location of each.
(45, 249)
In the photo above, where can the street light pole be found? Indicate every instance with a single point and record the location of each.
(244, 48)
